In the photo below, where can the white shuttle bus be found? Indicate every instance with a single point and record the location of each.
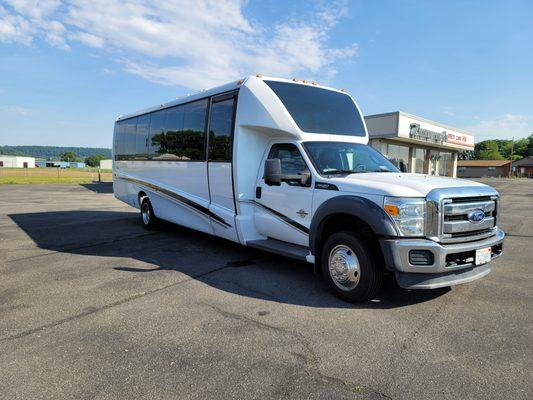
(284, 166)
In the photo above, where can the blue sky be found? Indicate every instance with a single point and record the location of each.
(68, 68)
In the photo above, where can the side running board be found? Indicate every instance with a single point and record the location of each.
(280, 247)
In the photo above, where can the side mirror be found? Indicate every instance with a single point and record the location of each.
(403, 167)
(305, 178)
(273, 172)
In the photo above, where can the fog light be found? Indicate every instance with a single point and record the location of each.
(421, 257)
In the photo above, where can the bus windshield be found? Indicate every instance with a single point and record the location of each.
(318, 110)
(332, 158)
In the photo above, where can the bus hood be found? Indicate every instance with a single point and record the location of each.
(397, 184)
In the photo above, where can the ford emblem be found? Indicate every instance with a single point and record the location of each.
(476, 216)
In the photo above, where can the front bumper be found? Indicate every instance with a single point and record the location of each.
(445, 270)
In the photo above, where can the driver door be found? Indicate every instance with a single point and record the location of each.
(284, 212)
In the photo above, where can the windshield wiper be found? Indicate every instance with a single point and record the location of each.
(340, 171)
(349, 171)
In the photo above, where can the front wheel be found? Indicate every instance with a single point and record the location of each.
(349, 266)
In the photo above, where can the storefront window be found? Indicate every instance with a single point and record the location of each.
(446, 164)
(398, 155)
(421, 161)
(433, 159)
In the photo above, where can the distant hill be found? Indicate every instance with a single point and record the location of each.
(52, 152)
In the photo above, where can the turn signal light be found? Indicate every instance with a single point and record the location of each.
(391, 210)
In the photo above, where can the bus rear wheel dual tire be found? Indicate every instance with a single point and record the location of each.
(350, 268)
(148, 218)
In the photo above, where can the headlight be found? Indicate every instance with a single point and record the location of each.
(407, 213)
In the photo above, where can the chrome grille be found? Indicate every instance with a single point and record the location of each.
(455, 224)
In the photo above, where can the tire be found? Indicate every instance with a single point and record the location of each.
(148, 218)
(350, 268)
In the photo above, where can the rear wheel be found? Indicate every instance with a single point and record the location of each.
(350, 267)
(148, 218)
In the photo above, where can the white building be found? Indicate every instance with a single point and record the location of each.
(420, 145)
(16, 162)
(106, 164)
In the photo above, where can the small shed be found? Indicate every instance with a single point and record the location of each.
(524, 167)
(483, 168)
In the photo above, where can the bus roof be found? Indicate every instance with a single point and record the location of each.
(214, 91)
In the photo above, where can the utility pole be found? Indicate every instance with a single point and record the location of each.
(512, 153)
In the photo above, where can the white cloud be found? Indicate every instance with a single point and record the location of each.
(16, 110)
(503, 127)
(30, 19)
(193, 43)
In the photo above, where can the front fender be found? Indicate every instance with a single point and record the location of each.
(359, 207)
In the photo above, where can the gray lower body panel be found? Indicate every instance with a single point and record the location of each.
(410, 280)
(281, 248)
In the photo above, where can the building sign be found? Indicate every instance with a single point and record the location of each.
(416, 132)
(457, 139)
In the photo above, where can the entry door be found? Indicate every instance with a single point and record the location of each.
(284, 212)
(220, 157)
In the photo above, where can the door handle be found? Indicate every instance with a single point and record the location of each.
(258, 192)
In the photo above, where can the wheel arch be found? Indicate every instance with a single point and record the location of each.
(348, 212)
(140, 196)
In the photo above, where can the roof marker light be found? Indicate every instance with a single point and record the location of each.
(314, 83)
(240, 81)
(343, 90)
(304, 81)
(259, 75)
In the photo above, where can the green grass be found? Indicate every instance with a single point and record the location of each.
(14, 176)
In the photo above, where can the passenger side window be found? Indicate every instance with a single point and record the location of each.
(178, 133)
(130, 130)
(119, 140)
(221, 125)
(292, 162)
(193, 135)
(141, 137)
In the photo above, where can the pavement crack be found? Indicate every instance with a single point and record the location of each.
(94, 310)
(309, 358)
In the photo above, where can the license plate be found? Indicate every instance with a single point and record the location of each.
(483, 256)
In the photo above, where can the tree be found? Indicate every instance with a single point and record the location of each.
(94, 160)
(529, 146)
(68, 156)
(487, 150)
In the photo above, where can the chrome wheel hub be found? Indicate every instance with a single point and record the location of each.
(145, 213)
(344, 267)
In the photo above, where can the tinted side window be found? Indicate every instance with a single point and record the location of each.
(178, 133)
(141, 137)
(169, 146)
(193, 135)
(130, 130)
(157, 126)
(292, 162)
(221, 128)
(119, 140)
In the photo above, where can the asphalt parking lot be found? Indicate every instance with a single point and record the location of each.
(93, 306)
